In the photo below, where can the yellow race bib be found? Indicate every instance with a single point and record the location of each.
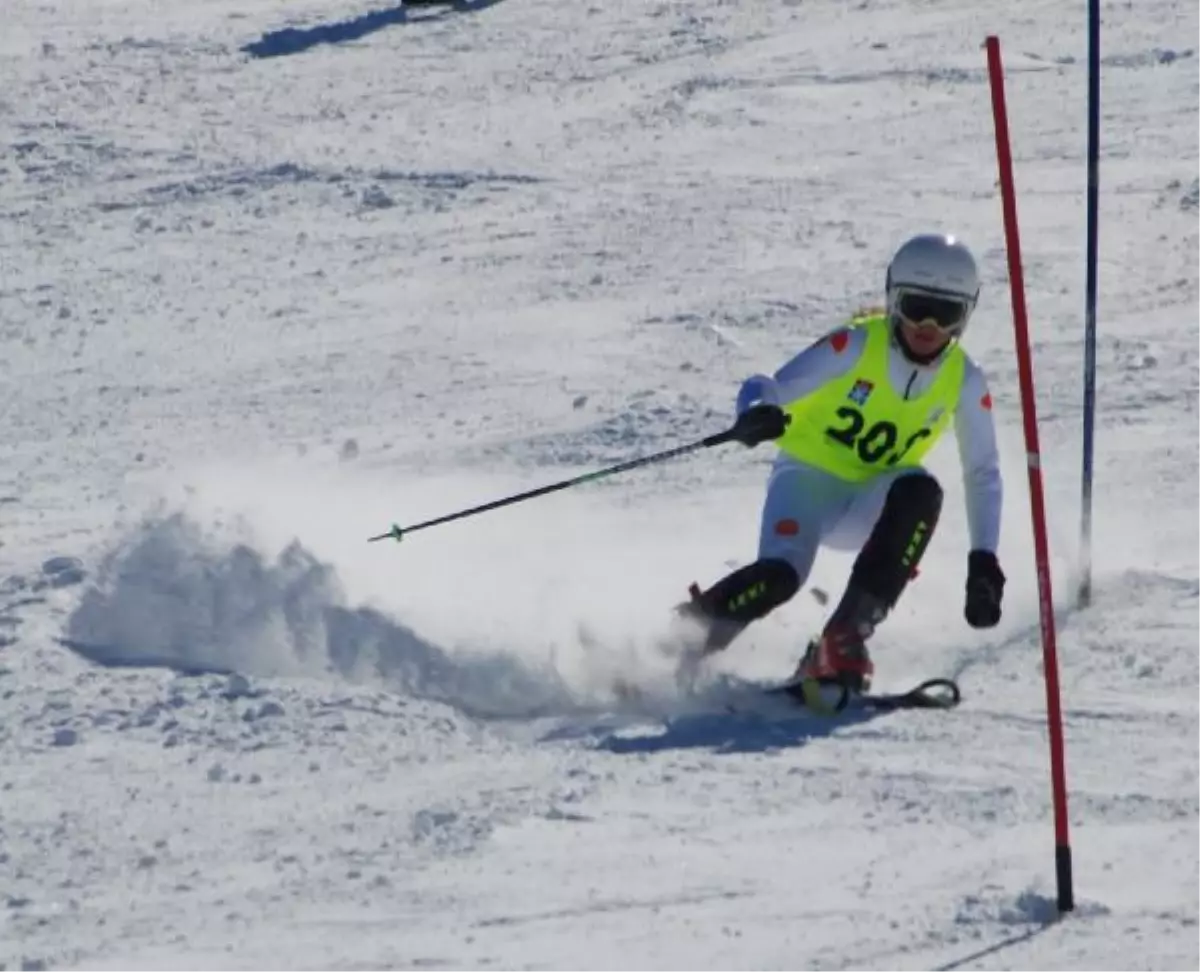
(857, 426)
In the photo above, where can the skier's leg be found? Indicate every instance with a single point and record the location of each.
(897, 517)
(799, 504)
(901, 515)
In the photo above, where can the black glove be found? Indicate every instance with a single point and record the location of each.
(760, 423)
(985, 589)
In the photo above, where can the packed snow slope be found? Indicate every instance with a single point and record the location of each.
(274, 276)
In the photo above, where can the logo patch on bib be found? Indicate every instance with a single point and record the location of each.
(861, 392)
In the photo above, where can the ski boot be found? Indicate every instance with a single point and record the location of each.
(838, 657)
(837, 666)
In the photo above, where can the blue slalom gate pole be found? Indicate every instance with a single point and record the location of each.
(1089, 345)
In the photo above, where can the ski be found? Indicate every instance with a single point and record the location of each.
(933, 693)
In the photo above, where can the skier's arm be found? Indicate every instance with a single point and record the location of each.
(976, 433)
(829, 358)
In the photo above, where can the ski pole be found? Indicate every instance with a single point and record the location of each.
(398, 532)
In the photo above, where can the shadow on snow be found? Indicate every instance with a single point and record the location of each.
(967, 961)
(295, 40)
(725, 733)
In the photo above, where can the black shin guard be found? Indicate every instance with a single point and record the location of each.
(893, 550)
(746, 595)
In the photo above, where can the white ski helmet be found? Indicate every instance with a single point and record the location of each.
(933, 276)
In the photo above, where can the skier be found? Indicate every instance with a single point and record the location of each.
(853, 415)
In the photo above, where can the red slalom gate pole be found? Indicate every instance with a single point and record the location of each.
(1058, 773)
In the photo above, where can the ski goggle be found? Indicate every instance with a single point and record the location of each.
(948, 313)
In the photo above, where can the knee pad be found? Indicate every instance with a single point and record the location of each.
(918, 494)
(751, 592)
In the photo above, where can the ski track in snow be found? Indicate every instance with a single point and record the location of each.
(274, 278)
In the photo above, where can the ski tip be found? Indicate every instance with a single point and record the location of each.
(937, 693)
(933, 693)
